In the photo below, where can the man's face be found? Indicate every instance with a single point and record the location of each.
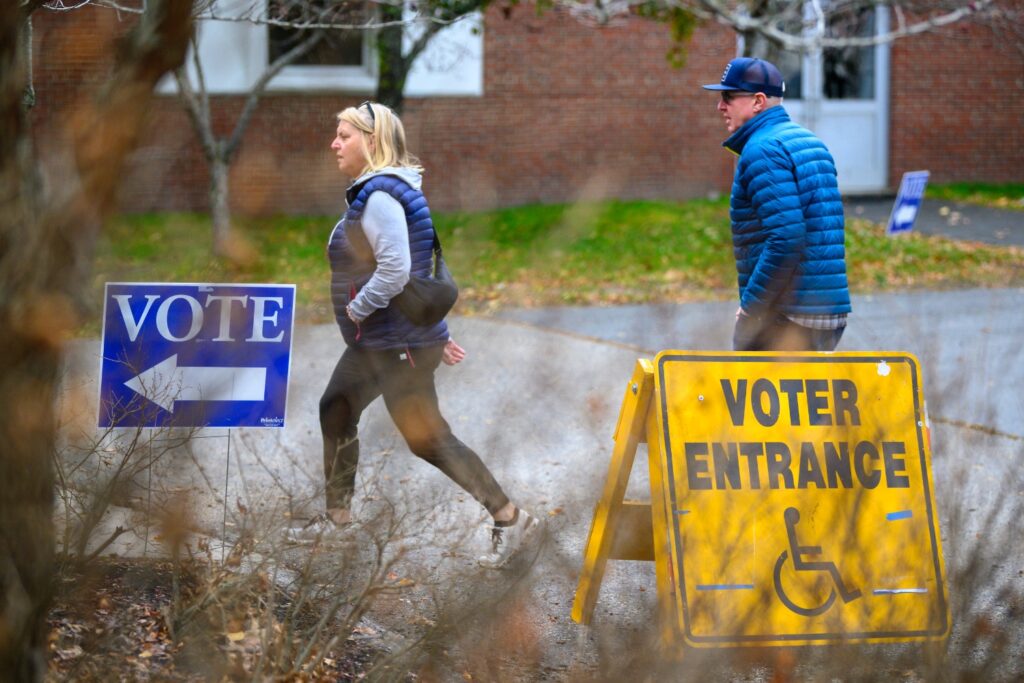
(738, 107)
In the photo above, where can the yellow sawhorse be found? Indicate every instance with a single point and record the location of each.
(868, 406)
(624, 529)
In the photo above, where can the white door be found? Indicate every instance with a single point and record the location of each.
(842, 94)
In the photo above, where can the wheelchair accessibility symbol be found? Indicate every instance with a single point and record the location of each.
(793, 566)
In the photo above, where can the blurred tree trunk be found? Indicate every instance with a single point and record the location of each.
(393, 68)
(220, 152)
(395, 59)
(220, 209)
(45, 249)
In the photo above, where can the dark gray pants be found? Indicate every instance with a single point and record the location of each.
(776, 332)
(411, 399)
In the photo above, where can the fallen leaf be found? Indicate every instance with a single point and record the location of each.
(70, 652)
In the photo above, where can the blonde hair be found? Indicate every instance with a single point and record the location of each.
(387, 133)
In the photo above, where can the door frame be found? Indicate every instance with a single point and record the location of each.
(810, 111)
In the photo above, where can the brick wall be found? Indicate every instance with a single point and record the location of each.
(568, 112)
(67, 61)
(958, 106)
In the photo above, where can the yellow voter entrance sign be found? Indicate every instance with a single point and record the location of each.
(791, 500)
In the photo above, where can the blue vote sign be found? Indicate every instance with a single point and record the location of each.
(195, 355)
(908, 202)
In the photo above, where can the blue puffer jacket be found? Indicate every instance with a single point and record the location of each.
(352, 265)
(787, 220)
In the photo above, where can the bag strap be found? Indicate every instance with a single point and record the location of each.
(438, 255)
(351, 195)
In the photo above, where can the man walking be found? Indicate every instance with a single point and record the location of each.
(787, 219)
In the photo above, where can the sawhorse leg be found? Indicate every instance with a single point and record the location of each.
(629, 433)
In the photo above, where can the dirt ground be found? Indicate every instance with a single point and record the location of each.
(113, 622)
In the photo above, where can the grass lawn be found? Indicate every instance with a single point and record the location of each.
(1003, 196)
(602, 253)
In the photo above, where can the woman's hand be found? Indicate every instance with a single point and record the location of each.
(453, 353)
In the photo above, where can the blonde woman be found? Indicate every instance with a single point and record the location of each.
(385, 235)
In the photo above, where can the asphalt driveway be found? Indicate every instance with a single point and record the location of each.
(956, 220)
(538, 397)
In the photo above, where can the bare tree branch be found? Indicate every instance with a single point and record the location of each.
(257, 90)
(420, 44)
(197, 105)
(310, 19)
(220, 152)
(30, 6)
(767, 19)
(309, 16)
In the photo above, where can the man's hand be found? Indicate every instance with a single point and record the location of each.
(453, 353)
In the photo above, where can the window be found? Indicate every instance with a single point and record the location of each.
(790, 62)
(850, 71)
(791, 65)
(338, 48)
(236, 53)
(847, 73)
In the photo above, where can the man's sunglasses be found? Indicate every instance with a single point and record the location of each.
(729, 95)
(373, 118)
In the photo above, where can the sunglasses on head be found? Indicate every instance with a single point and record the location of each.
(373, 117)
(729, 95)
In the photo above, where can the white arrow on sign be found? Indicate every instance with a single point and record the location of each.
(906, 214)
(165, 383)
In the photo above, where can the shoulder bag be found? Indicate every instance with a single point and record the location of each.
(426, 300)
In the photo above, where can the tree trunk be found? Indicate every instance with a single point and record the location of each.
(392, 63)
(221, 212)
(28, 372)
(40, 281)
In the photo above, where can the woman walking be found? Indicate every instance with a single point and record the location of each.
(385, 235)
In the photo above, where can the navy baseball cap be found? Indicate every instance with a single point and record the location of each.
(751, 75)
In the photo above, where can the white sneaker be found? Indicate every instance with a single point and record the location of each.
(320, 528)
(506, 541)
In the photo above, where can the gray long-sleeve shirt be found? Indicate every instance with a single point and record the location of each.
(387, 232)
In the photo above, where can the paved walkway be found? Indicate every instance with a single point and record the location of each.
(965, 340)
(955, 220)
(538, 397)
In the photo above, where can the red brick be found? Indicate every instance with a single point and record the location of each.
(568, 112)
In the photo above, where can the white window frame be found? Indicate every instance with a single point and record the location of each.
(823, 115)
(315, 77)
(451, 66)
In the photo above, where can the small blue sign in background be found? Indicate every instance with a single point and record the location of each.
(908, 202)
(195, 355)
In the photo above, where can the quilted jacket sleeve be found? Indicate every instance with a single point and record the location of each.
(775, 199)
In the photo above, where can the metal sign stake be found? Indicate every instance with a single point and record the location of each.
(195, 355)
(224, 519)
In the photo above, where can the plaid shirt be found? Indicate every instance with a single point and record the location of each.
(819, 322)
